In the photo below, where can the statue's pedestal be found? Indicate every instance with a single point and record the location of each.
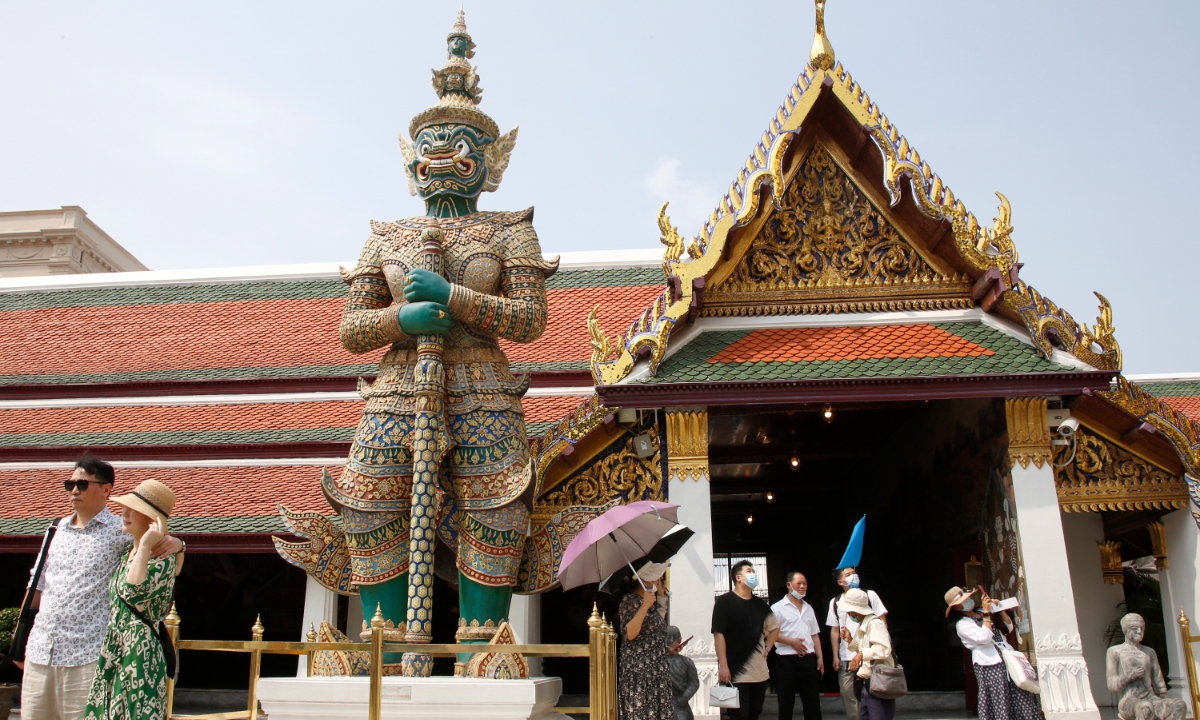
(443, 698)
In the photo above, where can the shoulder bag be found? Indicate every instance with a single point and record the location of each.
(20, 638)
(887, 681)
(1020, 670)
(164, 639)
(723, 696)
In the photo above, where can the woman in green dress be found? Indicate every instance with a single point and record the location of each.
(131, 675)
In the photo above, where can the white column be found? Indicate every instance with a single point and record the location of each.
(1095, 600)
(525, 618)
(320, 605)
(1062, 671)
(692, 584)
(1180, 591)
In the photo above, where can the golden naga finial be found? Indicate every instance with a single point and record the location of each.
(821, 55)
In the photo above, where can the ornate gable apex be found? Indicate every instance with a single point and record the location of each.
(825, 98)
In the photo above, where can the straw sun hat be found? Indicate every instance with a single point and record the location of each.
(954, 596)
(151, 498)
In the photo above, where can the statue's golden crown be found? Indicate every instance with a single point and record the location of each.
(457, 86)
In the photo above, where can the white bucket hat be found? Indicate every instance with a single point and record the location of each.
(856, 601)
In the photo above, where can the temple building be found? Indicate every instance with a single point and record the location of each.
(841, 337)
(58, 242)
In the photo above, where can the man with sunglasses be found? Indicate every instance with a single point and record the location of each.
(72, 597)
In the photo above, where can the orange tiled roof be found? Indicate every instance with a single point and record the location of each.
(1187, 404)
(848, 343)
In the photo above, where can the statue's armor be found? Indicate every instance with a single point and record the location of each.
(498, 290)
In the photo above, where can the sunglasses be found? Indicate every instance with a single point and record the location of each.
(70, 485)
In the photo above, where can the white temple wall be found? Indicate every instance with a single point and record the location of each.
(525, 618)
(692, 583)
(1095, 601)
(1180, 590)
(1062, 670)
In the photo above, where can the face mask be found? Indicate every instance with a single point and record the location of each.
(798, 595)
(852, 581)
(968, 605)
(750, 580)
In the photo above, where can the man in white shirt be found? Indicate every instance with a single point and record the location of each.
(799, 663)
(842, 629)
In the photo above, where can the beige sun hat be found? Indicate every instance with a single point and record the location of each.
(856, 601)
(151, 498)
(954, 596)
(652, 571)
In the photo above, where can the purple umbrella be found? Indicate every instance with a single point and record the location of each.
(614, 540)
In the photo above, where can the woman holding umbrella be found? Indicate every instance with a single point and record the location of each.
(643, 671)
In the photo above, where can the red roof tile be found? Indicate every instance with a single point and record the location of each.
(848, 343)
(201, 491)
(1187, 404)
(566, 337)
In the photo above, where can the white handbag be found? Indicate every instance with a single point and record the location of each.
(1020, 671)
(723, 696)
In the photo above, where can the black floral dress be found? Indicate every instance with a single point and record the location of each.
(643, 673)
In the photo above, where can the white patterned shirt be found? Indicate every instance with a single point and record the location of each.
(73, 618)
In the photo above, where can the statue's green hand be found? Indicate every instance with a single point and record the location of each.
(424, 286)
(425, 318)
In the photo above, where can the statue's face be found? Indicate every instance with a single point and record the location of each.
(449, 161)
(1135, 632)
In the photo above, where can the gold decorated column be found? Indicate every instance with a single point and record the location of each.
(687, 444)
(1028, 431)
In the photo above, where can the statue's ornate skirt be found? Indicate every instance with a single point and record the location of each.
(479, 514)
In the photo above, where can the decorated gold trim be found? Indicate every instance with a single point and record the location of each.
(1158, 541)
(1103, 475)
(1110, 561)
(1028, 431)
(687, 444)
(475, 631)
(619, 475)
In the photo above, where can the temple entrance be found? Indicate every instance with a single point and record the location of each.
(789, 483)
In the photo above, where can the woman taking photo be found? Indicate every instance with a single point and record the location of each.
(131, 674)
(872, 645)
(999, 696)
(643, 670)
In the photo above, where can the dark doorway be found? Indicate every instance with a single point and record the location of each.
(790, 483)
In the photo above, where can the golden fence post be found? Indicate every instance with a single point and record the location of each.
(172, 622)
(375, 710)
(1185, 629)
(594, 648)
(610, 672)
(256, 633)
(310, 636)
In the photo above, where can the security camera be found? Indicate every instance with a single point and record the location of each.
(1068, 427)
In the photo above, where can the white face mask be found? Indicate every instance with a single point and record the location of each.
(968, 605)
(797, 594)
(852, 581)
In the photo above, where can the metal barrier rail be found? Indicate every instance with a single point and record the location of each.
(601, 651)
(1185, 630)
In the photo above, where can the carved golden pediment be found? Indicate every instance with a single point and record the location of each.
(1106, 476)
(828, 248)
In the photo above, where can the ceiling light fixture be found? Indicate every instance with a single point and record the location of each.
(749, 519)
(770, 496)
(827, 413)
(795, 461)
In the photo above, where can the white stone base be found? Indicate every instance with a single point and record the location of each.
(444, 698)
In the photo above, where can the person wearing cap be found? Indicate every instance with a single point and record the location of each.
(842, 628)
(744, 628)
(131, 674)
(871, 645)
(799, 662)
(999, 696)
(72, 597)
(643, 671)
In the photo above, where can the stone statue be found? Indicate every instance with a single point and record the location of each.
(684, 679)
(439, 468)
(1135, 677)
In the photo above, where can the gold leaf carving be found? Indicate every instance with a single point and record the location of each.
(619, 475)
(687, 444)
(1028, 431)
(1106, 476)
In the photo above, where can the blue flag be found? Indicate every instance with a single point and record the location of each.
(854, 549)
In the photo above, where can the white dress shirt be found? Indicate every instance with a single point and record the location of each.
(838, 617)
(797, 622)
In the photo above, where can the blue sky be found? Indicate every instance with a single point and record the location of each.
(209, 134)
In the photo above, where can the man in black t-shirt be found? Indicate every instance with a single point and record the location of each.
(744, 629)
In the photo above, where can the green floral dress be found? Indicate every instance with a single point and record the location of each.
(131, 674)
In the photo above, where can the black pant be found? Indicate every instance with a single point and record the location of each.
(750, 698)
(873, 708)
(795, 674)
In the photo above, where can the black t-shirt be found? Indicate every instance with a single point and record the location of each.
(740, 621)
